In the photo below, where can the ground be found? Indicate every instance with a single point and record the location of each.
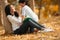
(53, 22)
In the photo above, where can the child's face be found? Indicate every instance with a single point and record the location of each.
(12, 8)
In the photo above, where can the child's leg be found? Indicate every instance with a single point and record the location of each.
(34, 24)
(26, 24)
(38, 24)
(23, 28)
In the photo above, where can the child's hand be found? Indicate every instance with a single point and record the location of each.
(19, 24)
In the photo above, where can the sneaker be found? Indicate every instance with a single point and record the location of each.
(48, 30)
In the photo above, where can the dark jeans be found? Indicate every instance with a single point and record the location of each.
(28, 23)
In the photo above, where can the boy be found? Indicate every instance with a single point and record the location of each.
(27, 11)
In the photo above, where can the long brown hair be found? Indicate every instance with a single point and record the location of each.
(7, 11)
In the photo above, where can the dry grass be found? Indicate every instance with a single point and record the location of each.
(53, 23)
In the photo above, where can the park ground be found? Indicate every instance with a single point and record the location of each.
(53, 22)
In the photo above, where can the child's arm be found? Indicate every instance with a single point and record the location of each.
(14, 20)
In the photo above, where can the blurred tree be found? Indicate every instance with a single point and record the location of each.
(0, 16)
(11, 1)
(39, 4)
(5, 22)
(31, 4)
(59, 4)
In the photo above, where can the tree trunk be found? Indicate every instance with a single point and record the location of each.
(5, 22)
(59, 4)
(0, 20)
(32, 4)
